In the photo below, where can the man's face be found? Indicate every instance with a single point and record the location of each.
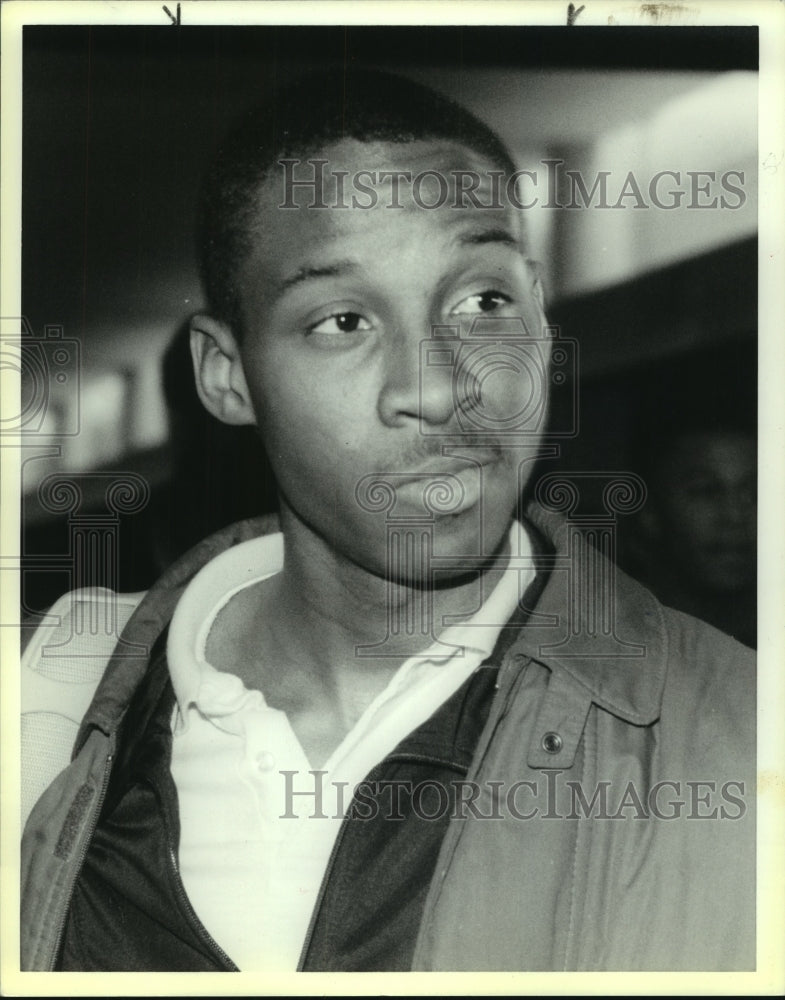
(707, 506)
(347, 380)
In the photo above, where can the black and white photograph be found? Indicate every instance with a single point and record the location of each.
(391, 556)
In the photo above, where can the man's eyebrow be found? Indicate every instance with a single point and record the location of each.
(478, 237)
(307, 273)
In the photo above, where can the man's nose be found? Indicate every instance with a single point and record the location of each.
(419, 380)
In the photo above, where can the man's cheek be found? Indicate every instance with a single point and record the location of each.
(520, 404)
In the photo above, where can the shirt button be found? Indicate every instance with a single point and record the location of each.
(552, 742)
(265, 761)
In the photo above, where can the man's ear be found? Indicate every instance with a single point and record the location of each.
(218, 369)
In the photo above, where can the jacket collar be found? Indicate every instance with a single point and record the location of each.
(594, 623)
(622, 666)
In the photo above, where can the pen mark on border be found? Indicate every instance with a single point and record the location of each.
(173, 19)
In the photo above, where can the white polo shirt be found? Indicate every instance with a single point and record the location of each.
(255, 841)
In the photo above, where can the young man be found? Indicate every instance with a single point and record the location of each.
(390, 736)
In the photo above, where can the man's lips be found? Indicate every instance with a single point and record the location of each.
(441, 486)
(447, 466)
(428, 480)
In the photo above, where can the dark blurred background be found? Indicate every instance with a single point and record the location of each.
(119, 124)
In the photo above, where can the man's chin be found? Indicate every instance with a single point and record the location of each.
(446, 552)
(462, 544)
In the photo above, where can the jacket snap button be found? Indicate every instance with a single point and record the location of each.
(552, 742)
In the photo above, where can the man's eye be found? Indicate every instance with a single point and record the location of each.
(345, 322)
(482, 302)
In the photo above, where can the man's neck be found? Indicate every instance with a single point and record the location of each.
(330, 616)
(324, 636)
(343, 611)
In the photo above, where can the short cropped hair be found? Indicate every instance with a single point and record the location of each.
(298, 121)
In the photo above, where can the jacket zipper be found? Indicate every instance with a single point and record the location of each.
(204, 935)
(77, 867)
(199, 927)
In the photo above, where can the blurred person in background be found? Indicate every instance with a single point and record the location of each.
(695, 538)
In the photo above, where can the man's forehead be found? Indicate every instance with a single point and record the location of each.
(421, 175)
(436, 189)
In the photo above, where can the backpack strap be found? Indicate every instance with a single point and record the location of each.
(61, 669)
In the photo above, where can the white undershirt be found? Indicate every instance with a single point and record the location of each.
(252, 857)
